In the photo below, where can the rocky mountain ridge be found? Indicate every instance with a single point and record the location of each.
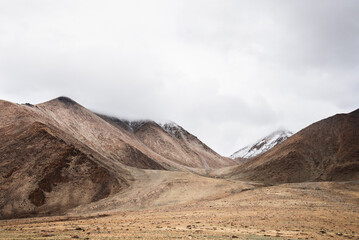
(58, 156)
(263, 145)
(327, 150)
(60, 148)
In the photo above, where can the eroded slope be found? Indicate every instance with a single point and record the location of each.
(327, 150)
(41, 174)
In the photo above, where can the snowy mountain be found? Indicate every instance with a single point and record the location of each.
(172, 128)
(262, 145)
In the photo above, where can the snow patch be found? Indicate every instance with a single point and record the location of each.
(172, 128)
(262, 145)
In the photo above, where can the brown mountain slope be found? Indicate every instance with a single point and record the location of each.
(324, 151)
(119, 140)
(173, 143)
(44, 171)
(208, 157)
(49, 161)
(58, 155)
(97, 134)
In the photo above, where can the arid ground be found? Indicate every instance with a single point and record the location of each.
(187, 206)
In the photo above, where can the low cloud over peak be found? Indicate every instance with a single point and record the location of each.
(229, 72)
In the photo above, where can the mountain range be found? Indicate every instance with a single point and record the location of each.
(58, 156)
(327, 150)
(59, 148)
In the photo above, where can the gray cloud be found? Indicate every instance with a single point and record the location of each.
(228, 71)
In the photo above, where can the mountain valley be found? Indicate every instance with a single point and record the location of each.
(67, 172)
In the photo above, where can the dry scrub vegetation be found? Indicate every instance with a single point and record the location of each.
(227, 210)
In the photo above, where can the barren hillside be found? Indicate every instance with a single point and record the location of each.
(327, 150)
(45, 171)
(59, 148)
(173, 143)
(103, 177)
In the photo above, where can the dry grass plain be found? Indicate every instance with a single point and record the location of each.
(178, 205)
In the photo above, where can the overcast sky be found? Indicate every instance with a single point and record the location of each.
(228, 71)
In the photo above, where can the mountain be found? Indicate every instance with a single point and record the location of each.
(262, 145)
(327, 150)
(45, 170)
(94, 132)
(173, 143)
(57, 155)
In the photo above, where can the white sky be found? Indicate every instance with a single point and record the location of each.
(228, 71)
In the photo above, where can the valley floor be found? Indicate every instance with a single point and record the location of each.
(185, 206)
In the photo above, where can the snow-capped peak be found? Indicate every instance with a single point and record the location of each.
(262, 145)
(172, 128)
